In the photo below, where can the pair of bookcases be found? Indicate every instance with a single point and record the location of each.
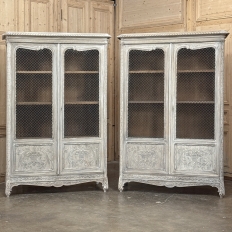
(171, 109)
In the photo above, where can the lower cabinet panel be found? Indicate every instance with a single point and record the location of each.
(33, 159)
(190, 158)
(78, 157)
(145, 156)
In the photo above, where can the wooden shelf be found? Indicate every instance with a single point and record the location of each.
(196, 71)
(147, 71)
(34, 72)
(81, 72)
(146, 102)
(33, 103)
(82, 103)
(195, 102)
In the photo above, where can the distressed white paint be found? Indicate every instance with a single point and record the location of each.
(188, 162)
(56, 161)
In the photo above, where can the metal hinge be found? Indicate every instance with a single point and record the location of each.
(115, 4)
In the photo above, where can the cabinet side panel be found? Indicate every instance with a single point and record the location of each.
(2, 109)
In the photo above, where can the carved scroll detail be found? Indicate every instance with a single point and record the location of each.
(81, 156)
(195, 158)
(34, 158)
(144, 156)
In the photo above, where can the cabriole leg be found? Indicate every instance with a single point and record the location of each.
(8, 189)
(120, 184)
(221, 189)
(105, 184)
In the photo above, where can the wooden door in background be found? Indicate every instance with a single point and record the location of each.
(37, 15)
(82, 16)
(74, 15)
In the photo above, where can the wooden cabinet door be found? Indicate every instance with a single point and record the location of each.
(31, 109)
(82, 134)
(28, 15)
(37, 15)
(74, 16)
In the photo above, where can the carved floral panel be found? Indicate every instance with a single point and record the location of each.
(194, 158)
(80, 156)
(145, 156)
(34, 158)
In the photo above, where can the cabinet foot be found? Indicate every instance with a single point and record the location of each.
(8, 189)
(221, 189)
(105, 184)
(120, 185)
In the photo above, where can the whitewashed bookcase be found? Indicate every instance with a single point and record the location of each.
(171, 109)
(56, 109)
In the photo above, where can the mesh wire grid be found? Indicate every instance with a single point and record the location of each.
(81, 93)
(81, 60)
(146, 94)
(195, 108)
(33, 93)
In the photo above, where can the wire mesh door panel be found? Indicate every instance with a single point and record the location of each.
(81, 93)
(195, 106)
(146, 94)
(33, 93)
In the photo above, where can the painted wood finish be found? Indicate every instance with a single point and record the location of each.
(56, 155)
(173, 146)
(197, 16)
(56, 16)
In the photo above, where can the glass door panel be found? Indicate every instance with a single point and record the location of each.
(81, 93)
(33, 93)
(146, 94)
(195, 107)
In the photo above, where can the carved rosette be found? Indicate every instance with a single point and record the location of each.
(31, 158)
(81, 156)
(145, 156)
(194, 158)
